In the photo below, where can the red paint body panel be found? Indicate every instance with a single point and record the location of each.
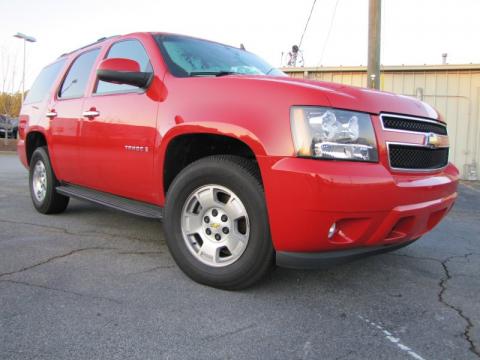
(103, 141)
(371, 204)
(64, 139)
(365, 200)
(114, 64)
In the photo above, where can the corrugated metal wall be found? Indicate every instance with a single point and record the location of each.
(454, 90)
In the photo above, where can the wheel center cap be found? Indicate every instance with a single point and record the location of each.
(216, 224)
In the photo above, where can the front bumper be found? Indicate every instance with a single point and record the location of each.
(21, 151)
(370, 206)
(323, 260)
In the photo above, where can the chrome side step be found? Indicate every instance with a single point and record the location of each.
(112, 201)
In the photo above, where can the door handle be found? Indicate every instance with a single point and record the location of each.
(90, 114)
(51, 114)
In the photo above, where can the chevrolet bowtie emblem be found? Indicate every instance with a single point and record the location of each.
(434, 141)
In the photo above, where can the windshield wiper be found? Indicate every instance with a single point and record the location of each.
(213, 73)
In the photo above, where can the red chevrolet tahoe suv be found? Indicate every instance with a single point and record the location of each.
(247, 167)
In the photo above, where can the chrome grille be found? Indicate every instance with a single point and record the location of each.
(428, 156)
(406, 124)
(417, 157)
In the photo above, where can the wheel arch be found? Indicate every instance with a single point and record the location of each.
(188, 143)
(33, 140)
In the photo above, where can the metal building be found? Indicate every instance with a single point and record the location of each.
(454, 90)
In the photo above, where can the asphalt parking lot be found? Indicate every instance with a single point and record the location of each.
(93, 283)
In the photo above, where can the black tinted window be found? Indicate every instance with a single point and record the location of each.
(44, 82)
(77, 77)
(129, 49)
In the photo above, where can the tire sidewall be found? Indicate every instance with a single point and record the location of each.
(41, 154)
(247, 189)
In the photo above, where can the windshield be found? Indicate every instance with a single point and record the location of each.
(187, 56)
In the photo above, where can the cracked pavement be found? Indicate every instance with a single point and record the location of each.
(93, 283)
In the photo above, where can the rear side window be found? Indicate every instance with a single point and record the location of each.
(128, 49)
(43, 83)
(77, 77)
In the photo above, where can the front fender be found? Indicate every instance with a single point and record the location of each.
(212, 128)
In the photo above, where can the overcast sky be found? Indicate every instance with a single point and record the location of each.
(413, 31)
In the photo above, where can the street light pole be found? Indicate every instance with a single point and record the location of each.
(25, 38)
(23, 71)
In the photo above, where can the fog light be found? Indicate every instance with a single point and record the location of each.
(332, 230)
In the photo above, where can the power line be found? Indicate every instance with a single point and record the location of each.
(329, 31)
(306, 24)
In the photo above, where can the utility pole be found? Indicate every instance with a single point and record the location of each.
(374, 30)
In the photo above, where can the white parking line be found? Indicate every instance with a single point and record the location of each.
(392, 339)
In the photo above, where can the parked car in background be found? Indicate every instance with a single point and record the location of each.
(247, 167)
(8, 126)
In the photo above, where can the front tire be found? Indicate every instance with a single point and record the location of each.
(42, 182)
(216, 223)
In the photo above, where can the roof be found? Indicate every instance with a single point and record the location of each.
(99, 41)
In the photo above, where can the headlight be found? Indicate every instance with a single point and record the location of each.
(327, 133)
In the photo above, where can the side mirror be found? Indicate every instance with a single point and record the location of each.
(123, 71)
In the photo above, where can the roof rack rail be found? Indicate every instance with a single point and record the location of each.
(93, 43)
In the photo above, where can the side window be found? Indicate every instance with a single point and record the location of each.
(76, 80)
(128, 49)
(43, 83)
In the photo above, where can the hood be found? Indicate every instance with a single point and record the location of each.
(359, 99)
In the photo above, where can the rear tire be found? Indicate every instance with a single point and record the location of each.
(43, 182)
(223, 240)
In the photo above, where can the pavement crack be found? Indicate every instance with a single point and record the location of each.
(53, 258)
(68, 232)
(61, 290)
(49, 227)
(443, 288)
